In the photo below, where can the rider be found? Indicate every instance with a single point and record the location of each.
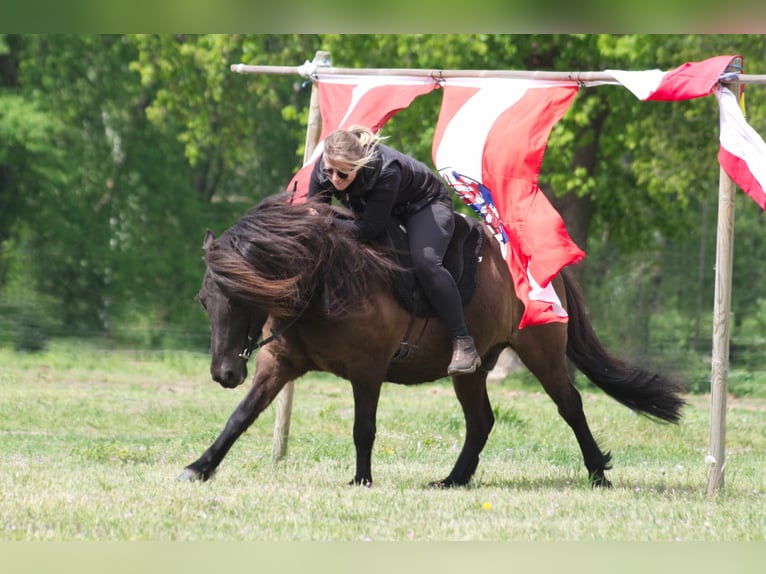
(377, 183)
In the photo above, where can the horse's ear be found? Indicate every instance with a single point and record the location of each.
(209, 237)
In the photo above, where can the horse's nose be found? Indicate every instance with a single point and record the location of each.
(228, 378)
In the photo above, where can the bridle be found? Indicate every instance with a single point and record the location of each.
(252, 343)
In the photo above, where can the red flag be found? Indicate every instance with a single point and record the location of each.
(367, 101)
(489, 145)
(690, 80)
(742, 152)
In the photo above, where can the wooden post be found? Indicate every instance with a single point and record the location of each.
(284, 404)
(716, 458)
(721, 313)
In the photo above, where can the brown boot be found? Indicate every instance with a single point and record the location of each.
(465, 358)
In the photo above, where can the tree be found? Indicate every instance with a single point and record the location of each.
(113, 197)
(239, 132)
(116, 152)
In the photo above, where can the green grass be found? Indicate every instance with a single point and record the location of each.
(91, 442)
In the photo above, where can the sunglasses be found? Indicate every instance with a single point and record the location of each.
(328, 171)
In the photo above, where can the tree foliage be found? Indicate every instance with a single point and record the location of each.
(117, 152)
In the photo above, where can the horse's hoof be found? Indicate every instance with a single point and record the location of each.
(600, 482)
(189, 475)
(366, 482)
(446, 483)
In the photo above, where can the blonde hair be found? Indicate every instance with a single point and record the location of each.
(354, 146)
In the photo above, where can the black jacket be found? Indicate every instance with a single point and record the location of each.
(392, 184)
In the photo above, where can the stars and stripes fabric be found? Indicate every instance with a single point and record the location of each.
(489, 143)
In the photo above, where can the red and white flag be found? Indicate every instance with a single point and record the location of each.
(690, 80)
(345, 101)
(742, 152)
(489, 145)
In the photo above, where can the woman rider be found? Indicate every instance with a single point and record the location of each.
(377, 183)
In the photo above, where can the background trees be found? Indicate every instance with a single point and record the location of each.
(116, 152)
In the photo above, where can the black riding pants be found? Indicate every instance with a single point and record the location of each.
(429, 231)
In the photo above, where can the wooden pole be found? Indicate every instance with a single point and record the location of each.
(284, 404)
(716, 458)
(721, 313)
(437, 74)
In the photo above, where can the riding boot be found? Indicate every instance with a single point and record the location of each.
(465, 357)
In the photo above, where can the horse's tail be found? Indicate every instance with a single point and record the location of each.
(650, 394)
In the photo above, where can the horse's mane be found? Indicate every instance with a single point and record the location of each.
(280, 255)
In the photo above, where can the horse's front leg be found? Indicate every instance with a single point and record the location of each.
(268, 380)
(471, 391)
(366, 396)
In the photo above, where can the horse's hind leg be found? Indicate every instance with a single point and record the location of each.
(471, 391)
(542, 350)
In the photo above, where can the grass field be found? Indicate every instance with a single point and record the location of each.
(91, 442)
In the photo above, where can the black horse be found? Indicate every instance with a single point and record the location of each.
(325, 302)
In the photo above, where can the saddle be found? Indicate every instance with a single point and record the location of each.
(461, 260)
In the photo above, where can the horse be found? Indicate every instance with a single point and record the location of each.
(321, 301)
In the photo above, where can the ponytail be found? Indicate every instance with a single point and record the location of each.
(354, 146)
(365, 135)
